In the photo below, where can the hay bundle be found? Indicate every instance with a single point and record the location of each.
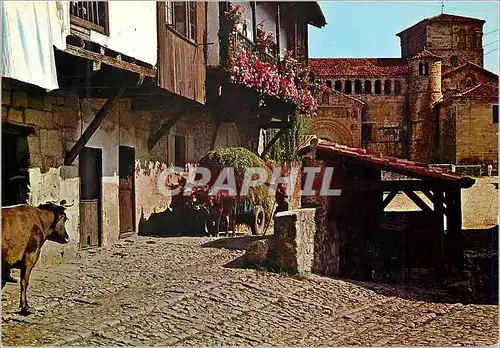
(240, 158)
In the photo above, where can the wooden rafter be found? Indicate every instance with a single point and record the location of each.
(389, 198)
(271, 143)
(417, 200)
(164, 128)
(94, 124)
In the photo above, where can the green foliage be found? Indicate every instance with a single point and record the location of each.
(284, 150)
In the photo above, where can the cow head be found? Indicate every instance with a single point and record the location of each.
(58, 231)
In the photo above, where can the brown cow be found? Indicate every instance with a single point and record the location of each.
(25, 229)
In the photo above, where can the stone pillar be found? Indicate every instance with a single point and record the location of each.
(292, 247)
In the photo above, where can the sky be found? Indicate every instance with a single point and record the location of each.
(368, 29)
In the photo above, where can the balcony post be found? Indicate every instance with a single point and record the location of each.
(278, 26)
(253, 4)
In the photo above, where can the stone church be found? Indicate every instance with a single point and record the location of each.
(435, 104)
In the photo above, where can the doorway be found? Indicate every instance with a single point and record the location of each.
(126, 190)
(15, 164)
(90, 197)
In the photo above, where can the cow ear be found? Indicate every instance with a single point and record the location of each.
(63, 202)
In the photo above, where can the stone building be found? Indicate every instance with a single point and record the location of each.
(436, 104)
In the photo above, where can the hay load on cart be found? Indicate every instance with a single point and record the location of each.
(232, 209)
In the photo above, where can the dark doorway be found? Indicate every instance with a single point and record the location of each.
(127, 190)
(15, 164)
(90, 197)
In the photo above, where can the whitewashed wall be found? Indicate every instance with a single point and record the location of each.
(132, 30)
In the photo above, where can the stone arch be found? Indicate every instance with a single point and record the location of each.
(332, 130)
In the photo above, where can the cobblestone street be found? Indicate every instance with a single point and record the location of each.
(174, 291)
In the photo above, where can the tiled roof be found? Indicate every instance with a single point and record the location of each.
(443, 17)
(358, 66)
(425, 54)
(468, 64)
(391, 164)
(481, 91)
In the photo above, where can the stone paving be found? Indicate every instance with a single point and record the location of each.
(175, 291)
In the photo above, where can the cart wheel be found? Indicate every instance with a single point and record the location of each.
(259, 220)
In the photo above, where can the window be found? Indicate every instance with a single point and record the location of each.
(183, 18)
(357, 87)
(324, 99)
(461, 40)
(378, 87)
(454, 61)
(338, 86)
(397, 87)
(348, 87)
(368, 87)
(387, 86)
(495, 114)
(420, 68)
(329, 83)
(426, 68)
(90, 15)
(366, 132)
(470, 80)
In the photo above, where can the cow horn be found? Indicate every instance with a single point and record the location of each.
(63, 203)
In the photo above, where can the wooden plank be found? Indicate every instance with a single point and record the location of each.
(89, 223)
(429, 195)
(154, 138)
(417, 200)
(389, 198)
(83, 53)
(94, 124)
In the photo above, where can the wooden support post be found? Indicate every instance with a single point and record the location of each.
(439, 230)
(389, 198)
(94, 124)
(253, 5)
(454, 227)
(164, 128)
(417, 200)
(271, 143)
(278, 26)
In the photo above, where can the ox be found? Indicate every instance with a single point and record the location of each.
(25, 229)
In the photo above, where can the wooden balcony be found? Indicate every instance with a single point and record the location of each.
(249, 47)
(93, 15)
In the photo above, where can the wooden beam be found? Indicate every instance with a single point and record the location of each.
(417, 200)
(114, 62)
(415, 185)
(389, 198)
(276, 124)
(271, 143)
(94, 124)
(214, 136)
(164, 128)
(429, 195)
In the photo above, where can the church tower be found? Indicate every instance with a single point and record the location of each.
(424, 89)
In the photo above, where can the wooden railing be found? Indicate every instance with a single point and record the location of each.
(91, 15)
(250, 47)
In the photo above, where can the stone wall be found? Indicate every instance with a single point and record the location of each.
(59, 122)
(292, 245)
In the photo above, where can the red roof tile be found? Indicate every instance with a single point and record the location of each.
(392, 164)
(465, 65)
(443, 17)
(358, 66)
(481, 91)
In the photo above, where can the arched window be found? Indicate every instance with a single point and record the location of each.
(472, 39)
(368, 87)
(470, 80)
(348, 87)
(426, 70)
(397, 87)
(454, 61)
(338, 86)
(387, 86)
(461, 40)
(329, 83)
(420, 68)
(325, 99)
(378, 87)
(357, 87)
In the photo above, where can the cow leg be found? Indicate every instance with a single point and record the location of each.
(26, 268)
